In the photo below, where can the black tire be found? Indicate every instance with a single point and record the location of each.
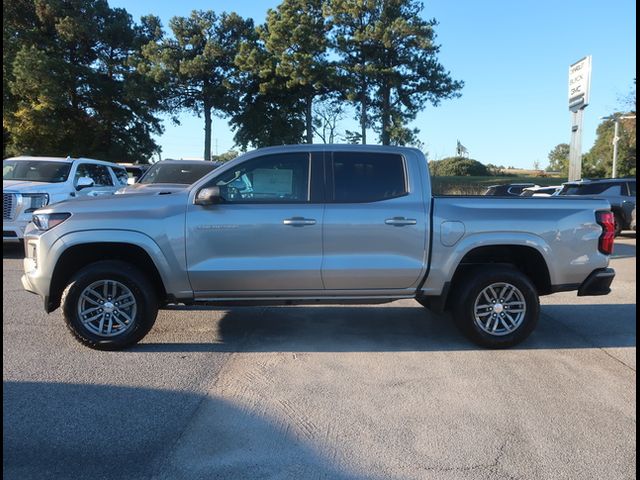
(146, 304)
(617, 222)
(470, 289)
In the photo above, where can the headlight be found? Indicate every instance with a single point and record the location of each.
(34, 201)
(46, 221)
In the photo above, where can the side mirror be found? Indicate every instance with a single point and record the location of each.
(208, 196)
(132, 180)
(84, 182)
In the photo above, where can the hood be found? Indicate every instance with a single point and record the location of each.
(27, 186)
(120, 204)
(152, 188)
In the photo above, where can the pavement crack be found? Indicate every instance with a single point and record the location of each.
(492, 466)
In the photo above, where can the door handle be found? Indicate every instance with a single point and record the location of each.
(298, 221)
(400, 221)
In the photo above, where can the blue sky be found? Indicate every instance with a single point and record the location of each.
(513, 58)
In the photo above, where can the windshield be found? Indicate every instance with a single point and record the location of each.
(35, 170)
(176, 173)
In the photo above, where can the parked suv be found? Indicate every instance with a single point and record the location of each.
(29, 183)
(620, 192)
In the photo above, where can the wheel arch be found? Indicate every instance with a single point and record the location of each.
(77, 256)
(528, 260)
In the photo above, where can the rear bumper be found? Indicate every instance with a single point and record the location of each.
(597, 283)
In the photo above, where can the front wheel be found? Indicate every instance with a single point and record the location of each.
(109, 305)
(496, 306)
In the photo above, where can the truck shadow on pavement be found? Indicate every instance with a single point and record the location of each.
(402, 328)
(74, 431)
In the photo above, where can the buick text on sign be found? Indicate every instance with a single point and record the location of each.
(579, 80)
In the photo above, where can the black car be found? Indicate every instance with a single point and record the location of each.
(621, 193)
(508, 189)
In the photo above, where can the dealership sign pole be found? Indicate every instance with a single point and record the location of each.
(579, 86)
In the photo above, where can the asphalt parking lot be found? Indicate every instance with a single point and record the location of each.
(385, 392)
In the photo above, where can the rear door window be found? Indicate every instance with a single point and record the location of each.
(367, 177)
(632, 188)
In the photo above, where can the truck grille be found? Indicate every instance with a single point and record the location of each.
(8, 206)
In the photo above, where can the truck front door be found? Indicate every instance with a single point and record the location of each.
(265, 235)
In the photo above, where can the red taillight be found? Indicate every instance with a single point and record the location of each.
(607, 222)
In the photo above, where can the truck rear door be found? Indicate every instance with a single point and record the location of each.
(375, 222)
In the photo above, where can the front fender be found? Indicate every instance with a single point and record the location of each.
(171, 270)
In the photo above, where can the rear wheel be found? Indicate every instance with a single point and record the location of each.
(496, 307)
(109, 305)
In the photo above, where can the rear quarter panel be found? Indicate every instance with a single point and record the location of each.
(563, 230)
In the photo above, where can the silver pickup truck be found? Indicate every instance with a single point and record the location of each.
(315, 224)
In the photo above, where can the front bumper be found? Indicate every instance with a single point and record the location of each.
(31, 288)
(37, 264)
(597, 283)
(13, 230)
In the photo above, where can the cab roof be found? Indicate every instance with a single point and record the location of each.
(59, 159)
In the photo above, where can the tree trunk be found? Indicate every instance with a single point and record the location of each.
(309, 119)
(207, 131)
(386, 115)
(363, 114)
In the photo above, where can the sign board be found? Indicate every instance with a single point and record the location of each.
(272, 181)
(580, 82)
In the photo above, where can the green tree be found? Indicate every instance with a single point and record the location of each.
(598, 162)
(74, 88)
(350, 39)
(388, 54)
(559, 159)
(457, 167)
(327, 114)
(409, 75)
(267, 113)
(295, 39)
(197, 64)
(18, 24)
(494, 170)
(225, 157)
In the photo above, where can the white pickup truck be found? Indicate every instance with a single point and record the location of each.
(29, 183)
(315, 224)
